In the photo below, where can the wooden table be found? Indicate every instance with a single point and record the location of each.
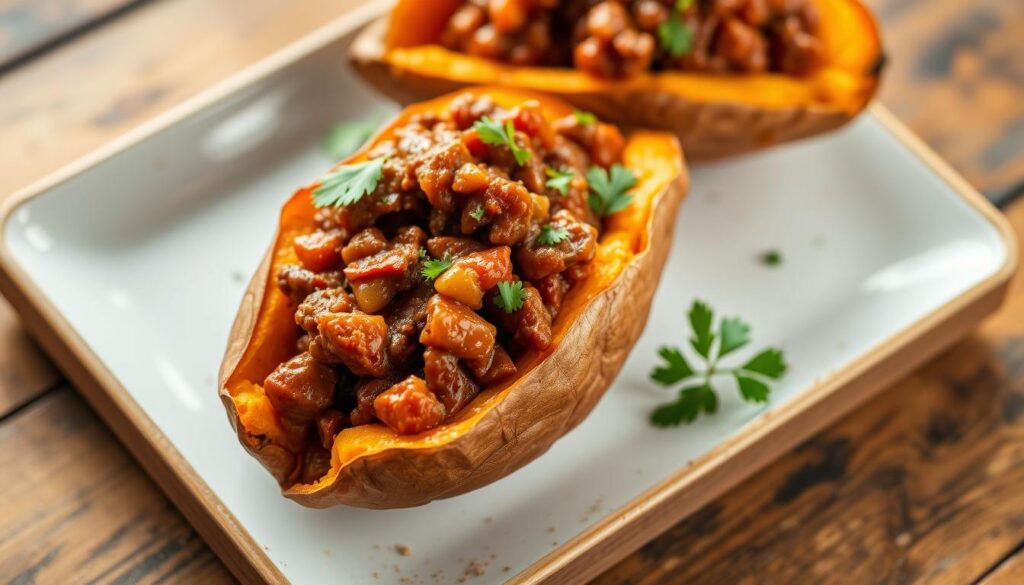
(925, 483)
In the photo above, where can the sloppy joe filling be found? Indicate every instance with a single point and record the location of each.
(623, 38)
(435, 263)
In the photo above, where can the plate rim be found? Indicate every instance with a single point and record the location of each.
(597, 547)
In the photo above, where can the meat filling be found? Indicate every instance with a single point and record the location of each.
(624, 38)
(416, 296)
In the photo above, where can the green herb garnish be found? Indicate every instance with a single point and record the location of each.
(550, 236)
(608, 192)
(345, 137)
(674, 35)
(422, 253)
(698, 394)
(434, 268)
(347, 184)
(559, 179)
(585, 118)
(771, 258)
(510, 296)
(477, 213)
(491, 132)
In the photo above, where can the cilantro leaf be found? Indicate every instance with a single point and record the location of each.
(510, 296)
(608, 191)
(347, 184)
(346, 137)
(559, 180)
(700, 322)
(769, 363)
(492, 133)
(584, 117)
(688, 406)
(771, 258)
(734, 334)
(752, 390)
(477, 213)
(422, 253)
(434, 268)
(675, 36)
(676, 368)
(550, 236)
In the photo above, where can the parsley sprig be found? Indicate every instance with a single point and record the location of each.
(434, 268)
(552, 235)
(674, 35)
(347, 184)
(491, 132)
(584, 118)
(608, 191)
(510, 296)
(559, 179)
(697, 394)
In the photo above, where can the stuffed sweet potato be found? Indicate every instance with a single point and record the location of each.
(727, 76)
(442, 306)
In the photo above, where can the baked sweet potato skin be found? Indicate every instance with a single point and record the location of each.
(506, 426)
(714, 116)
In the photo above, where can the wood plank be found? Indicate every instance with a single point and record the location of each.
(78, 509)
(1010, 572)
(922, 484)
(956, 77)
(29, 26)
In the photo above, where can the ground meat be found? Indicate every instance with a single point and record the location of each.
(455, 328)
(409, 407)
(366, 391)
(625, 38)
(298, 282)
(448, 380)
(302, 387)
(493, 370)
(530, 326)
(453, 247)
(405, 321)
(322, 302)
(552, 289)
(399, 328)
(328, 424)
(356, 340)
(538, 260)
(319, 251)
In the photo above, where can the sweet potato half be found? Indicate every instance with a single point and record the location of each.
(506, 426)
(714, 116)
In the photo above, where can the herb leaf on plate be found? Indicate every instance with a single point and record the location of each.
(698, 394)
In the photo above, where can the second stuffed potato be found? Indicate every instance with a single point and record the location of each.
(726, 77)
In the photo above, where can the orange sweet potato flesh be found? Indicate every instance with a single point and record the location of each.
(507, 425)
(714, 116)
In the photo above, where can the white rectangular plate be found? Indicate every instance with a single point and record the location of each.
(143, 256)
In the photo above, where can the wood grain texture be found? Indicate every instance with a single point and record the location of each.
(78, 509)
(922, 484)
(956, 77)
(27, 26)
